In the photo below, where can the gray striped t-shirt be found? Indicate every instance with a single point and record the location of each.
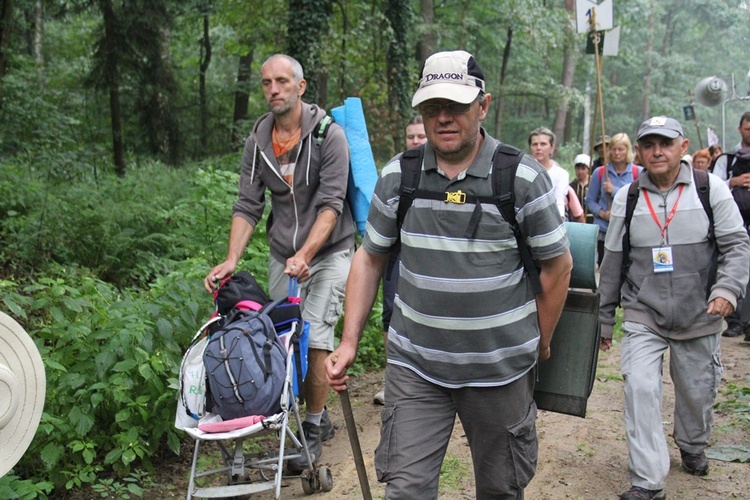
(464, 313)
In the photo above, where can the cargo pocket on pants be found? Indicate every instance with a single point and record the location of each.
(335, 305)
(382, 451)
(524, 447)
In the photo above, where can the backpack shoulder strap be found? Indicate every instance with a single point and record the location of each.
(505, 162)
(600, 172)
(411, 172)
(630, 204)
(635, 172)
(703, 187)
(321, 130)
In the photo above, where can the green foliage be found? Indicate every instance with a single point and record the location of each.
(371, 350)
(111, 306)
(128, 343)
(13, 487)
(737, 400)
(125, 230)
(308, 20)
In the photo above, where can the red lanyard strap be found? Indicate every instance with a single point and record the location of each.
(671, 212)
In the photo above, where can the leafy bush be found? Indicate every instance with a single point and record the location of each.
(129, 345)
(106, 276)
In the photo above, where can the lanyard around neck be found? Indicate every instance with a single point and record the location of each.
(671, 212)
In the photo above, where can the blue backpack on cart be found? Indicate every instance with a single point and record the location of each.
(245, 365)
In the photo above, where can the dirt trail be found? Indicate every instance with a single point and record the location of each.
(578, 458)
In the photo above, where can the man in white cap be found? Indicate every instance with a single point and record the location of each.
(671, 299)
(467, 329)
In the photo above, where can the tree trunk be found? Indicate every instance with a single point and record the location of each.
(205, 61)
(112, 77)
(399, 82)
(501, 87)
(6, 18)
(645, 106)
(322, 78)
(568, 72)
(38, 32)
(241, 97)
(426, 45)
(308, 21)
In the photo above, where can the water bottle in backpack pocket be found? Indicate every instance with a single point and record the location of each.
(245, 365)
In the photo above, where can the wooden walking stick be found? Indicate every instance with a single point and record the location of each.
(351, 429)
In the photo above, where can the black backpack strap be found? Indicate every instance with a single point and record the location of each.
(411, 172)
(630, 204)
(271, 336)
(703, 187)
(505, 162)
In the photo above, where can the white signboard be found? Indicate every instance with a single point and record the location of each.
(585, 10)
(611, 42)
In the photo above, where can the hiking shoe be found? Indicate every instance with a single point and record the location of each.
(694, 463)
(733, 331)
(314, 445)
(327, 430)
(379, 398)
(638, 493)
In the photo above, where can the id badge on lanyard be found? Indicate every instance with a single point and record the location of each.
(662, 255)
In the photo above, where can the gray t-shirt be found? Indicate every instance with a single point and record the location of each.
(465, 314)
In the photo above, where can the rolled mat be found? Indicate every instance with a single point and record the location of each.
(582, 239)
(363, 174)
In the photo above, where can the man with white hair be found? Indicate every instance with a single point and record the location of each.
(678, 269)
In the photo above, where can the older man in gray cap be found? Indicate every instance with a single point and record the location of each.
(686, 258)
(467, 327)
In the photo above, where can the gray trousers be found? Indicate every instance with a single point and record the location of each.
(418, 419)
(695, 367)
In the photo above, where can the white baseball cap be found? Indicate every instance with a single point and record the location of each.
(582, 158)
(454, 75)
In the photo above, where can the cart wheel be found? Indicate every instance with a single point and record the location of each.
(325, 477)
(310, 483)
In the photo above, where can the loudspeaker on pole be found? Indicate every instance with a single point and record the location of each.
(711, 91)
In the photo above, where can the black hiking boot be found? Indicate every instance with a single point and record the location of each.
(327, 430)
(694, 463)
(314, 445)
(733, 331)
(638, 493)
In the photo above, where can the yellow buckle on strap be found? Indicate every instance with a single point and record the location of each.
(458, 197)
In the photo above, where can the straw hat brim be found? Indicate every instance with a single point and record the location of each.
(22, 391)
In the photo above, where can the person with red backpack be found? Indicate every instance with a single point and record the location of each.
(606, 181)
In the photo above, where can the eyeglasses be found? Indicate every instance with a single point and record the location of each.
(452, 108)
